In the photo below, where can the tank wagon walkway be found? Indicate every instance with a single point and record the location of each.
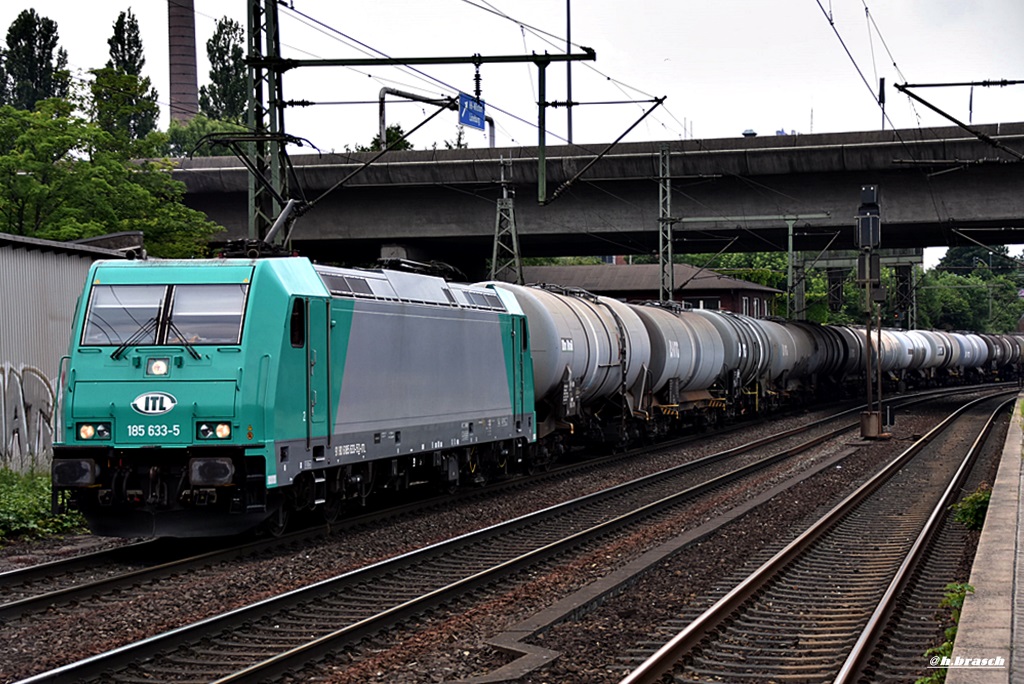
(989, 646)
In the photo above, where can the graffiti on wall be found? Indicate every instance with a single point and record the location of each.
(27, 400)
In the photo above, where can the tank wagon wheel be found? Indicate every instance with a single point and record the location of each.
(538, 459)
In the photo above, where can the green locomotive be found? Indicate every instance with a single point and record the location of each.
(208, 397)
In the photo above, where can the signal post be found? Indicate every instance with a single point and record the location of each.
(868, 238)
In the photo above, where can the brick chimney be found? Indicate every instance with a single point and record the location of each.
(181, 33)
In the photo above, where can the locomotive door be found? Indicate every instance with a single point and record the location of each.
(318, 404)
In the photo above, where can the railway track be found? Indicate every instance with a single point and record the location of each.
(817, 609)
(273, 635)
(40, 587)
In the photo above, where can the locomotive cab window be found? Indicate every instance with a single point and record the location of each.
(164, 314)
(117, 312)
(206, 314)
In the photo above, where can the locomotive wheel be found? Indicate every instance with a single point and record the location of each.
(277, 523)
(332, 508)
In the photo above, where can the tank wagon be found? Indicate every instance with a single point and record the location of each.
(209, 397)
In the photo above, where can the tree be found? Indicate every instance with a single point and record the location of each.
(3, 77)
(460, 140)
(964, 260)
(64, 178)
(183, 139)
(36, 68)
(395, 136)
(947, 301)
(123, 100)
(124, 106)
(227, 96)
(126, 53)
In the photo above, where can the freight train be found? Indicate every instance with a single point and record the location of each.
(212, 397)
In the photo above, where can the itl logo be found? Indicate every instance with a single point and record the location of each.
(154, 403)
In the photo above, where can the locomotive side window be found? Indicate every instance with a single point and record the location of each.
(298, 323)
(117, 312)
(207, 314)
(359, 286)
(335, 283)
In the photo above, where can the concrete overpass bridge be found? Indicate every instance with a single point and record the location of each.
(939, 187)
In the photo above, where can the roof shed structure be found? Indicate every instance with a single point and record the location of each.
(40, 281)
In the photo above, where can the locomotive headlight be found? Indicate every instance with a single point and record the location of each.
(211, 430)
(157, 366)
(94, 431)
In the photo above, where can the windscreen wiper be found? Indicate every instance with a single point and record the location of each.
(144, 329)
(184, 342)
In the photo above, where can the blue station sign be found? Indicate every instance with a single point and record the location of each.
(471, 111)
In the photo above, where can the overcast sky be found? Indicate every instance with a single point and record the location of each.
(725, 66)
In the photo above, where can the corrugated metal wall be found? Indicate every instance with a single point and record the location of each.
(38, 291)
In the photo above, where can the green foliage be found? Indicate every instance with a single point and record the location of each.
(123, 100)
(126, 53)
(183, 140)
(943, 652)
(64, 178)
(954, 600)
(562, 261)
(124, 106)
(460, 140)
(395, 135)
(763, 268)
(35, 68)
(227, 96)
(970, 511)
(25, 507)
(982, 301)
(4, 96)
(965, 260)
(956, 593)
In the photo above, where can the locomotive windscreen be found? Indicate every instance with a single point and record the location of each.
(193, 314)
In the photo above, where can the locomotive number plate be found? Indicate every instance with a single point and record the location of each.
(154, 430)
